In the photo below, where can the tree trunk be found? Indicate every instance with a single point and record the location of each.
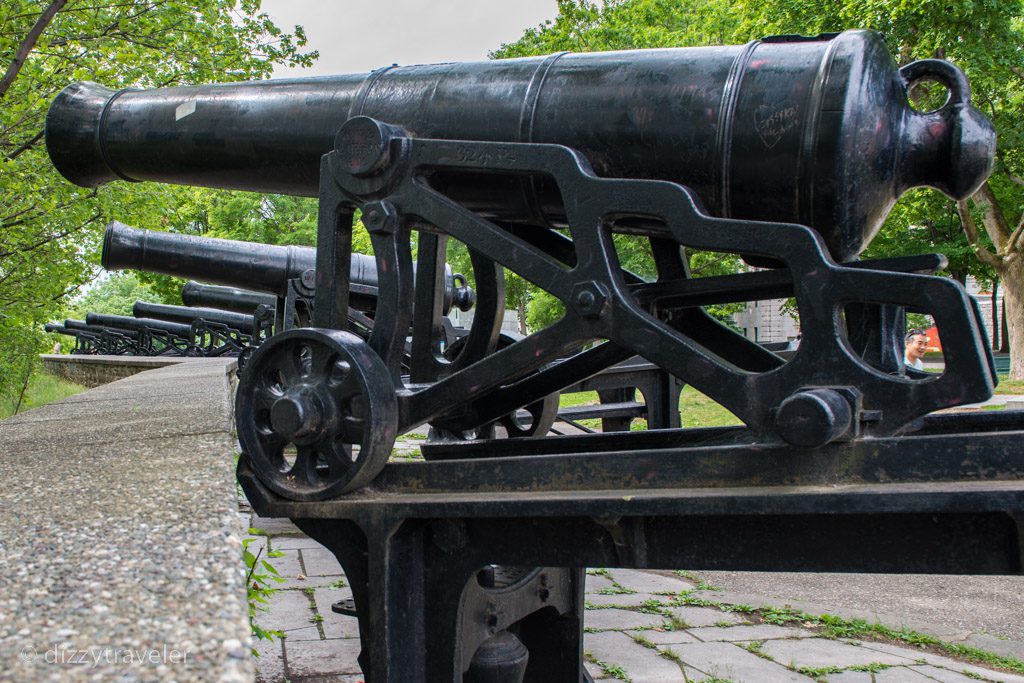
(995, 314)
(1013, 316)
(1004, 336)
(521, 310)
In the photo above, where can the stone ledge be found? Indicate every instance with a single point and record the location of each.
(93, 371)
(120, 553)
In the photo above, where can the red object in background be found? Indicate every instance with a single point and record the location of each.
(934, 343)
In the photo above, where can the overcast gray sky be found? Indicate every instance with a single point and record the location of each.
(360, 35)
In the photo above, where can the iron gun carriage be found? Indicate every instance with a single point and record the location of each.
(788, 152)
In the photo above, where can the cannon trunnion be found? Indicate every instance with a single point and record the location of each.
(787, 152)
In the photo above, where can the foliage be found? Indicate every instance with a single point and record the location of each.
(259, 580)
(50, 230)
(114, 294)
(18, 348)
(42, 388)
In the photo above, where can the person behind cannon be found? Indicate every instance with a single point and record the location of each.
(916, 346)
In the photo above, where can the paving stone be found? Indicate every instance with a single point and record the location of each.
(596, 672)
(705, 616)
(650, 582)
(335, 625)
(596, 583)
(901, 674)
(293, 543)
(641, 664)
(270, 664)
(666, 637)
(322, 658)
(320, 562)
(934, 673)
(919, 655)
(622, 599)
(819, 652)
(287, 565)
(748, 633)
(621, 619)
(850, 677)
(725, 660)
(276, 526)
(289, 610)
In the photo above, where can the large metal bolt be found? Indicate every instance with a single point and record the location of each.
(380, 217)
(364, 145)
(590, 299)
(814, 418)
(295, 417)
(308, 279)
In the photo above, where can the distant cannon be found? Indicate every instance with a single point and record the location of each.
(225, 298)
(85, 342)
(107, 341)
(156, 337)
(272, 269)
(214, 332)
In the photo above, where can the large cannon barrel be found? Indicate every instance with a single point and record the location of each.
(248, 265)
(224, 298)
(816, 131)
(124, 322)
(56, 328)
(186, 315)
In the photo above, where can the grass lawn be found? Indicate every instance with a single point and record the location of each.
(43, 388)
(1010, 386)
(695, 409)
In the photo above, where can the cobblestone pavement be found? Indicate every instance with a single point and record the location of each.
(639, 628)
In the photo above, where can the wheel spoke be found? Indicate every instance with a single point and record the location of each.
(353, 428)
(321, 361)
(305, 465)
(337, 458)
(289, 364)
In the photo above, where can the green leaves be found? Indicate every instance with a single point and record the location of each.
(50, 230)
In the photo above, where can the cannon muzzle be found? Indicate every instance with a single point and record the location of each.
(813, 131)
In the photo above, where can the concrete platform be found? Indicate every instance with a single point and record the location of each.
(120, 552)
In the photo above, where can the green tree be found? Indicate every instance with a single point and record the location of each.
(50, 230)
(114, 295)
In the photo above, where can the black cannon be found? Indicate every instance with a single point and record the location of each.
(214, 332)
(155, 337)
(86, 343)
(788, 152)
(106, 341)
(287, 272)
(233, 299)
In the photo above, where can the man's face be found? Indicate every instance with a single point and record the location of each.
(916, 347)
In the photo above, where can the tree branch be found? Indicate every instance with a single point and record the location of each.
(27, 145)
(971, 230)
(28, 43)
(1013, 243)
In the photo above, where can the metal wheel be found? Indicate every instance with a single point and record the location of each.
(317, 413)
(541, 413)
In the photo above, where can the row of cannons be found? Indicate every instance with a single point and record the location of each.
(165, 330)
(228, 320)
(789, 152)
